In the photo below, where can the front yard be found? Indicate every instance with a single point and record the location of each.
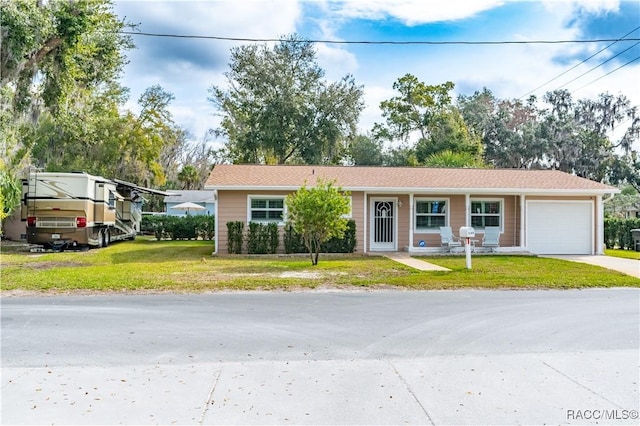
(146, 265)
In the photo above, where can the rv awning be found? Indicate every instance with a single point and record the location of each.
(141, 188)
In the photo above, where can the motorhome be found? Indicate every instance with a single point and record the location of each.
(70, 210)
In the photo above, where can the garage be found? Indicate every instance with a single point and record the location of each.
(560, 227)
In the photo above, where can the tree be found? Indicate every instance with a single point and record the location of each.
(189, 177)
(365, 151)
(52, 54)
(422, 118)
(507, 129)
(279, 109)
(452, 159)
(316, 214)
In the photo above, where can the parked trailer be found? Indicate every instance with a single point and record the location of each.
(71, 210)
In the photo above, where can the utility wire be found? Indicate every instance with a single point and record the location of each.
(598, 66)
(577, 65)
(374, 42)
(603, 76)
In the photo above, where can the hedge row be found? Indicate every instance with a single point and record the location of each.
(264, 238)
(179, 227)
(617, 232)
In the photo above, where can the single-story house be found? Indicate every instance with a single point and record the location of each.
(403, 208)
(205, 199)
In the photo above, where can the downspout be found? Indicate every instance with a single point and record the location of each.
(467, 209)
(522, 218)
(600, 200)
(410, 222)
(365, 220)
(215, 226)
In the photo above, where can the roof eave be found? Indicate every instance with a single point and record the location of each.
(396, 190)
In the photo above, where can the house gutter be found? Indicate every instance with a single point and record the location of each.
(215, 225)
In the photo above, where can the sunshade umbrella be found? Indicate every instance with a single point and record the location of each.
(188, 206)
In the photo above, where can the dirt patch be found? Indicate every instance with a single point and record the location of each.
(40, 266)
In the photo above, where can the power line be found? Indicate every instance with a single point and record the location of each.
(582, 62)
(378, 42)
(603, 76)
(598, 66)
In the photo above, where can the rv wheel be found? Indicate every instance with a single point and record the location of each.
(107, 238)
(101, 239)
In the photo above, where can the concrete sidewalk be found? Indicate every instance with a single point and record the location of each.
(626, 266)
(406, 259)
(542, 388)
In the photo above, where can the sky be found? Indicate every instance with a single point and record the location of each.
(188, 67)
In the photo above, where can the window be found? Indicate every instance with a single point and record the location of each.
(431, 214)
(486, 213)
(112, 200)
(264, 209)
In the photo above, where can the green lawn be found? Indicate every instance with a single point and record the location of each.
(187, 266)
(627, 254)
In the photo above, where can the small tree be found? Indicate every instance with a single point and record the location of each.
(316, 214)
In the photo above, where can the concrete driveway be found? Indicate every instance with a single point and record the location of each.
(626, 266)
(431, 357)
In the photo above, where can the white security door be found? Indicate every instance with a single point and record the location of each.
(383, 224)
(560, 227)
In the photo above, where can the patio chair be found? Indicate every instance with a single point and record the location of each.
(491, 238)
(448, 240)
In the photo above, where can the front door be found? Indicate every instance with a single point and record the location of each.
(383, 224)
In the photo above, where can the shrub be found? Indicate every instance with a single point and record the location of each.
(617, 232)
(262, 238)
(293, 242)
(235, 231)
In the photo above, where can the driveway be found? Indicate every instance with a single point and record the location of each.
(626, 266)
(431, 357)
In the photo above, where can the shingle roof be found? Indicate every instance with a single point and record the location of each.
(195, 196)
(226, 176)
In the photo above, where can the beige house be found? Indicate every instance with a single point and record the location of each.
(403, 208)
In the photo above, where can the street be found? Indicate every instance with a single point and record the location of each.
(323, 357)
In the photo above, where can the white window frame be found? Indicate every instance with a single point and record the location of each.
(250, 198)
(447, 207)
(487, 200)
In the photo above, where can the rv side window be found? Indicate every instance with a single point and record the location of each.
(112, 200)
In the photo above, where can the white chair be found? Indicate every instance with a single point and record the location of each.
(448, 240)
(491, 238)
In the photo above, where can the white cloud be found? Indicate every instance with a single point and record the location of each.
(413, 12)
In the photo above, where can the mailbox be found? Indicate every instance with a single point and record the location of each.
(467, 232)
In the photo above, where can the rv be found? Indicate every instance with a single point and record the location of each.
(73, 210)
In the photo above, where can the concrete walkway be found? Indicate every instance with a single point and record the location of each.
(406, 259)
(626, 266)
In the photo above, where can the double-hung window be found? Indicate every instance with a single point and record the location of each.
(430, 214)
(266, 209)
(486, 213)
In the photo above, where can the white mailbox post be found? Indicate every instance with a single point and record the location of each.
(467, 233)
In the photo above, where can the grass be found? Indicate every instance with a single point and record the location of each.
(187, 266)
(627, 254)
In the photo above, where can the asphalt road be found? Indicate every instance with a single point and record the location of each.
(441, 357)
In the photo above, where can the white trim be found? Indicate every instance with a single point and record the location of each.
(411, 218)
(427, 191)
(523, 210)
(467, 209)
(490, 200)
(365, 222)
(216, 226)
(600, 234)
(395, 224)
(267, 197)
(414, 225)
(591, 216)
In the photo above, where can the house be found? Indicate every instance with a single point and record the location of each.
(205, 199)
(403, 208)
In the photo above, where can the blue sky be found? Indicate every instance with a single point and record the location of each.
(188, 67)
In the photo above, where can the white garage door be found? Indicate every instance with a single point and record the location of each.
(562, 227)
